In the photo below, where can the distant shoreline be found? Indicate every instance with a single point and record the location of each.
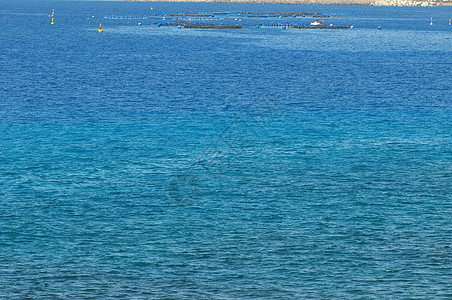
(419, 3)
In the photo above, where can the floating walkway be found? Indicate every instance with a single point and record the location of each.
(300, 26)
(290, 15)
(224, 13)
(125, 17)
(196, 19)
(212, 26)
(197, 25)
(277, 25)
(192, 15)
(256, 15)
(169, 24)
(321, 27)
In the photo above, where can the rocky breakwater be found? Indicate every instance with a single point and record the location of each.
(401, 3)
(321, 2)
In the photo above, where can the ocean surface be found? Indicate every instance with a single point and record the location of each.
(151, 162)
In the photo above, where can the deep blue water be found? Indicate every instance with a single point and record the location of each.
(150, 162)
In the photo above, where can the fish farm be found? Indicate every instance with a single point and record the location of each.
(235, 20)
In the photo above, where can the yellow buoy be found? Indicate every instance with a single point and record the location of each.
(450, 22)
(431, 20)
(52, 21)
(100, 28)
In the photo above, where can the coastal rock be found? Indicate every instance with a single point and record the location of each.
(400, 3)
(322, 2)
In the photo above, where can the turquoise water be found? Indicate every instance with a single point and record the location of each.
(150, 162)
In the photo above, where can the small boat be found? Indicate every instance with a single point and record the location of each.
(318, 23)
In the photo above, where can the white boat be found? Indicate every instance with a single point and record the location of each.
(318, 23)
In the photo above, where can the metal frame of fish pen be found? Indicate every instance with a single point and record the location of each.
(197, 25)
(300, 26)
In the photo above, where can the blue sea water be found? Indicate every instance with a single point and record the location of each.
(150, 162)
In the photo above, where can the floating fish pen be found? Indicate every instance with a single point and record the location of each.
(300, 26)
(170, 24)
(228, 13)
(126, 17)
(211, 26)
(196, 25)
(321, 27)
(197, 19)
(206, 14)
(267, 16)
(292, 15)
(192, 15)
(277, 25)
